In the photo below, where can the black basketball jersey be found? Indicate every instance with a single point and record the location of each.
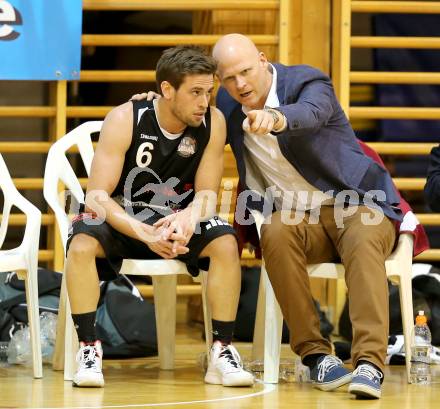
(159, 171)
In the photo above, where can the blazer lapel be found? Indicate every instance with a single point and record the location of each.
(237, 140)
(281, 81)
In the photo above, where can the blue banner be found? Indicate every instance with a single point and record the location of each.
(40, 39)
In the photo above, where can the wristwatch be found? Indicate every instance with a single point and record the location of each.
(274, 114)
(276, 118)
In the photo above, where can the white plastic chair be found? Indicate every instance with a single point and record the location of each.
(269, 320)
(164, 272)
(24, 258)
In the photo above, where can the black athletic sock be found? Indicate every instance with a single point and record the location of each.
(311, 360)
(222, 331)
(85, 326)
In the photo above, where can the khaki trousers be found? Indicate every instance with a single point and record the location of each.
(362, 249)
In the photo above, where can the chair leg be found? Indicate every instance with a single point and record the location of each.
(58, 353)
(406, 307)
(70, 345)
(34, 318)
(66, 342)
(165, 309)
(272, 332)
(258, 341)
(207, 315)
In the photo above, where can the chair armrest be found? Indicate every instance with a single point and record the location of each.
(404, 248)
(259, 220)
(5, 220)
(33, 220)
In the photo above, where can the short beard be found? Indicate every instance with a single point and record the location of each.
(187, 122)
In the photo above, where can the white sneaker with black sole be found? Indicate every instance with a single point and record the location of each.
(89, 372)
(225, 367)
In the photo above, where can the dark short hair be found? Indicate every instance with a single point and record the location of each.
(178, 62)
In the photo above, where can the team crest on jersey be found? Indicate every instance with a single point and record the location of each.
(187, 146)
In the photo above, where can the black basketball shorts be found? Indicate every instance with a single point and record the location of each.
(118, 246)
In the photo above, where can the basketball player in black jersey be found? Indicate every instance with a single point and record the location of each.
(152, 193)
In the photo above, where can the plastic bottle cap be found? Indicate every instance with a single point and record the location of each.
(421, 319)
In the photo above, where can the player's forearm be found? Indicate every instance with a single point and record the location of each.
(203, 206)
(109, 210)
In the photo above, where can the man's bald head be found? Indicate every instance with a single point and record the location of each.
(233, 44)
(243, 70)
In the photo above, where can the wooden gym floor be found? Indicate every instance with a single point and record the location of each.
(138, 383)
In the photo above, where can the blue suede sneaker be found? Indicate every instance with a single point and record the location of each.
(329, 373)
(366, 382)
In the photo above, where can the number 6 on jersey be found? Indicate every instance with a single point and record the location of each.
(143, 155)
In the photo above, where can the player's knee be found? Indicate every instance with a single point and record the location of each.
(223, 246)
(83, 247)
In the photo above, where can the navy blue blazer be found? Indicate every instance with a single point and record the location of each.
(319, 141)
(432, 187)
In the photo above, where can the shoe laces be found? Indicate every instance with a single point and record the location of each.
(231, 356)
(368, 371)
(329, 362)
(88, 357)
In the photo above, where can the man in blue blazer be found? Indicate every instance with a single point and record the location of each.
(432, 187)
(294, 145)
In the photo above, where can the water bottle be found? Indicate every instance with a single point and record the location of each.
(4, 353)
(289, 370)
(420, 351)
(20, 351)
(302, 372)
(257, 369)
(48, 330)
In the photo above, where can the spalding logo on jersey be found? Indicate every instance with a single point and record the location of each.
(187, 146)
